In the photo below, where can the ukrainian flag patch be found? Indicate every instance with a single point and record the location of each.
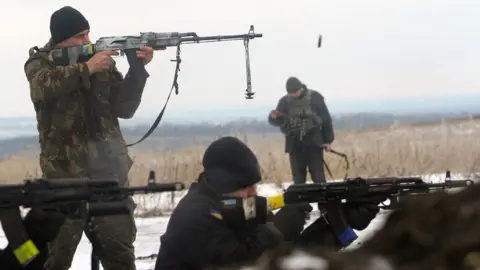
(216, 214)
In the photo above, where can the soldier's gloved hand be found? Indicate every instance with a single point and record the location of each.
(291, 219)
(359, 215)
(43, 226)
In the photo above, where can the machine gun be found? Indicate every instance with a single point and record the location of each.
(73, 197)
(128, 45)
(395, 189)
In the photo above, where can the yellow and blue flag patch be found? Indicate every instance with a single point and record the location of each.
(216, 214)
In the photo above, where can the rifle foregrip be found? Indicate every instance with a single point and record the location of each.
(136, 64)
(338, 224)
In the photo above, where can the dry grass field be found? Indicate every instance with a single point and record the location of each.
(394, 151)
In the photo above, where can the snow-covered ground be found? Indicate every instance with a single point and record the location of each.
(150, 229)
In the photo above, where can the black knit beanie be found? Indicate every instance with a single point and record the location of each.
(229, 165)
(293, 84)
(65, 23)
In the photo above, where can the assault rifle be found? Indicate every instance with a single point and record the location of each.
(97, 196)
(394, 189)
(73, 197)
(330, 197)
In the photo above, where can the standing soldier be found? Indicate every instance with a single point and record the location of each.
(77, 108)
(303, 117)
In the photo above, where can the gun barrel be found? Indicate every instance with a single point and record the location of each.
(80, 182)
(198, 39)
(459, 183)
(154, 187)
(393, 180)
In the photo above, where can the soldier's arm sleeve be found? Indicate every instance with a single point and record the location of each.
(48, 83)
(126, 92)
(281, 107)
(12, 225)
(212, 242)
(328, 133)
(320, 235)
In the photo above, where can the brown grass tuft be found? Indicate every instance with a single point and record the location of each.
(394, 151)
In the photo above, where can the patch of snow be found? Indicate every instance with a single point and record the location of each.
(301, 259)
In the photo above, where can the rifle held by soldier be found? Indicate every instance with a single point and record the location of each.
(99, 196)
(128, 45)
(71, 197)
(358, 190)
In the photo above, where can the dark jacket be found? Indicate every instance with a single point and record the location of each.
(196, 238)
(316, 137)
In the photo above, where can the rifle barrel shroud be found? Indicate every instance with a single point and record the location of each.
(97, 196)
(369, 189)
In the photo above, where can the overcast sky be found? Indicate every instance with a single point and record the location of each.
(371, 48)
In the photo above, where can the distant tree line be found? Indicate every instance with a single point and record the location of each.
(344, 122)
(178, 135)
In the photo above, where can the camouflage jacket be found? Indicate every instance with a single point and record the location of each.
(77, 116)
(315, 137)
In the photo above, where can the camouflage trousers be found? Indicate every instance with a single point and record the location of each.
(112, 237)
(311, 158)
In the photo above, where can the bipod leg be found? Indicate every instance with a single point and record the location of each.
(249, 94)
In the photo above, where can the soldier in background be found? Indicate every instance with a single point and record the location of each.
(77, 108)
(303, 117)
